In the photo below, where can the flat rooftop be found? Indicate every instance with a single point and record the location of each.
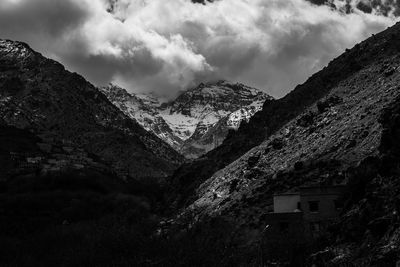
(319, 188)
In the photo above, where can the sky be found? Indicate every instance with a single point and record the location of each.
(165, 47)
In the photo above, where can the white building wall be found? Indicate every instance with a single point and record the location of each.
(286, 203)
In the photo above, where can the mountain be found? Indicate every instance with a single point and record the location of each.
(144, 110)
(340, 127)
(198, 120)
(195, 114)
(66, 112)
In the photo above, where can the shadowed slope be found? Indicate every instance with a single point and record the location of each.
(40, 95)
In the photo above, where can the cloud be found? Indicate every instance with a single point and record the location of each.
(166, 46)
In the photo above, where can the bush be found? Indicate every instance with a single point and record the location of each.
(327, 103)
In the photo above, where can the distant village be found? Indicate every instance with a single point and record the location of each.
(55, 156)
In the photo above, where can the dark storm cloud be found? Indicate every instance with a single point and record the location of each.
(39, 21)
(40, 16)
(103, 68)
(166, 46)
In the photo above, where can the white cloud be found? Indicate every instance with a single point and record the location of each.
(165, 46)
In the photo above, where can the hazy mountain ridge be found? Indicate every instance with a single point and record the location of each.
(198, 120)
(39, 95)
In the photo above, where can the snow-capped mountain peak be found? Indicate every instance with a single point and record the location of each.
(213, 107)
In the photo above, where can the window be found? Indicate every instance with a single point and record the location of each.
(313, 206)
(284, 227)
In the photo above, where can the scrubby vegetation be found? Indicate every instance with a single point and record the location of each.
(89, 219)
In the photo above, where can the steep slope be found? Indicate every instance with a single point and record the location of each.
(338, 127)
(198, 120)
(276, 113)
(39, 95)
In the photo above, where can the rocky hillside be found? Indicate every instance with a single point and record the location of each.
(63, 110)
(340, 127)
(198, 120)
(276, 113)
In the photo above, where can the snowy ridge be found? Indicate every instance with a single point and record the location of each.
(144, 110)
(243, 114)
(196, 121)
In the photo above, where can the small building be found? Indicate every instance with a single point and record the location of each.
(320, 205)
(300, 218)
(287, 202)
(34, 160)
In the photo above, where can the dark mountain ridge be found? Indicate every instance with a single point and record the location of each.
(39, 95)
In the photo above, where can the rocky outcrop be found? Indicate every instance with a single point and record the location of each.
(39, 95)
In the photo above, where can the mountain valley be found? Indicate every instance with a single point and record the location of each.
(99, 176)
